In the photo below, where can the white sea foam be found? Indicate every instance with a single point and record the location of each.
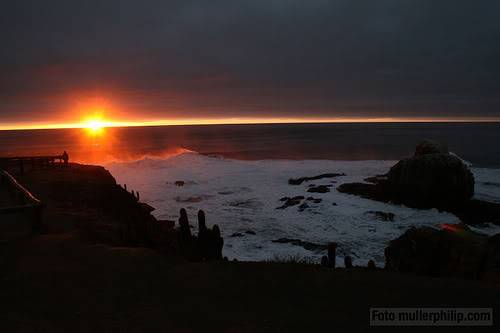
(243, 195)
(487, 184)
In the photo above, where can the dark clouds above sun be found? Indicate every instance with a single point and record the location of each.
(215, 59)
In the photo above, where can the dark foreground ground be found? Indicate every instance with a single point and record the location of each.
(61, 281)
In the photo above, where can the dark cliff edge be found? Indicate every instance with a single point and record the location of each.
(86, 199)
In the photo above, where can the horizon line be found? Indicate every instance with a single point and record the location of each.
(242, 121)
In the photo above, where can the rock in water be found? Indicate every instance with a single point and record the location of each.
(431, 178)
(290, 201)
(303, 207)
(314, 200)
(430, 147)
(299, 181)
(319, 189)
(383, 216)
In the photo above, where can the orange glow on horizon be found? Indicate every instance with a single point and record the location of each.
(97, 124)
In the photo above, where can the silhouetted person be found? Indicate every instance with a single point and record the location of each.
(371, 264)
(65, 157)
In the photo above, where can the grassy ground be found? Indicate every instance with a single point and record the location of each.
(61, 282)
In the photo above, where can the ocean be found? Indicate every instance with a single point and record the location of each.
(238, 175)
(475, 142)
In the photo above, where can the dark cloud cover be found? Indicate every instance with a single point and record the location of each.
(415, 58)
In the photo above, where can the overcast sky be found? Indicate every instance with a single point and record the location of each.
(160, 59)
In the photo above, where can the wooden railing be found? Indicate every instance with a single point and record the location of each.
(21, 162)
(24, 201)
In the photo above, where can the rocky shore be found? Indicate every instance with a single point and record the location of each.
(105, 263)
(435, 178)
(453, 251)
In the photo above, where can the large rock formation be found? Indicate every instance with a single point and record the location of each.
(427, 147)
(452, 251)
(431, 178)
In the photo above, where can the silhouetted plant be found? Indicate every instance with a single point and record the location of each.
(184, 226)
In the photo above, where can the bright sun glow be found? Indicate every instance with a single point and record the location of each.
(94, 126)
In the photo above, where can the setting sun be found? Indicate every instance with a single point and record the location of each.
(94, 126)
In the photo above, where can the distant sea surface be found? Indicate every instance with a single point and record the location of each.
(477, 143)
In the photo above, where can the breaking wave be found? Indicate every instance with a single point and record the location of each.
(242, 197)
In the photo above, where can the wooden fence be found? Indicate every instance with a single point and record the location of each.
(22, 162)
(22, 201)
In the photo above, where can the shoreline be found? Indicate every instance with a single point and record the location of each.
(240, 203)
(76, 281)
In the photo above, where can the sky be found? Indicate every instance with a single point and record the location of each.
(228, 60)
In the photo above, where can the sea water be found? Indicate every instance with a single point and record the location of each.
(238, 173)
